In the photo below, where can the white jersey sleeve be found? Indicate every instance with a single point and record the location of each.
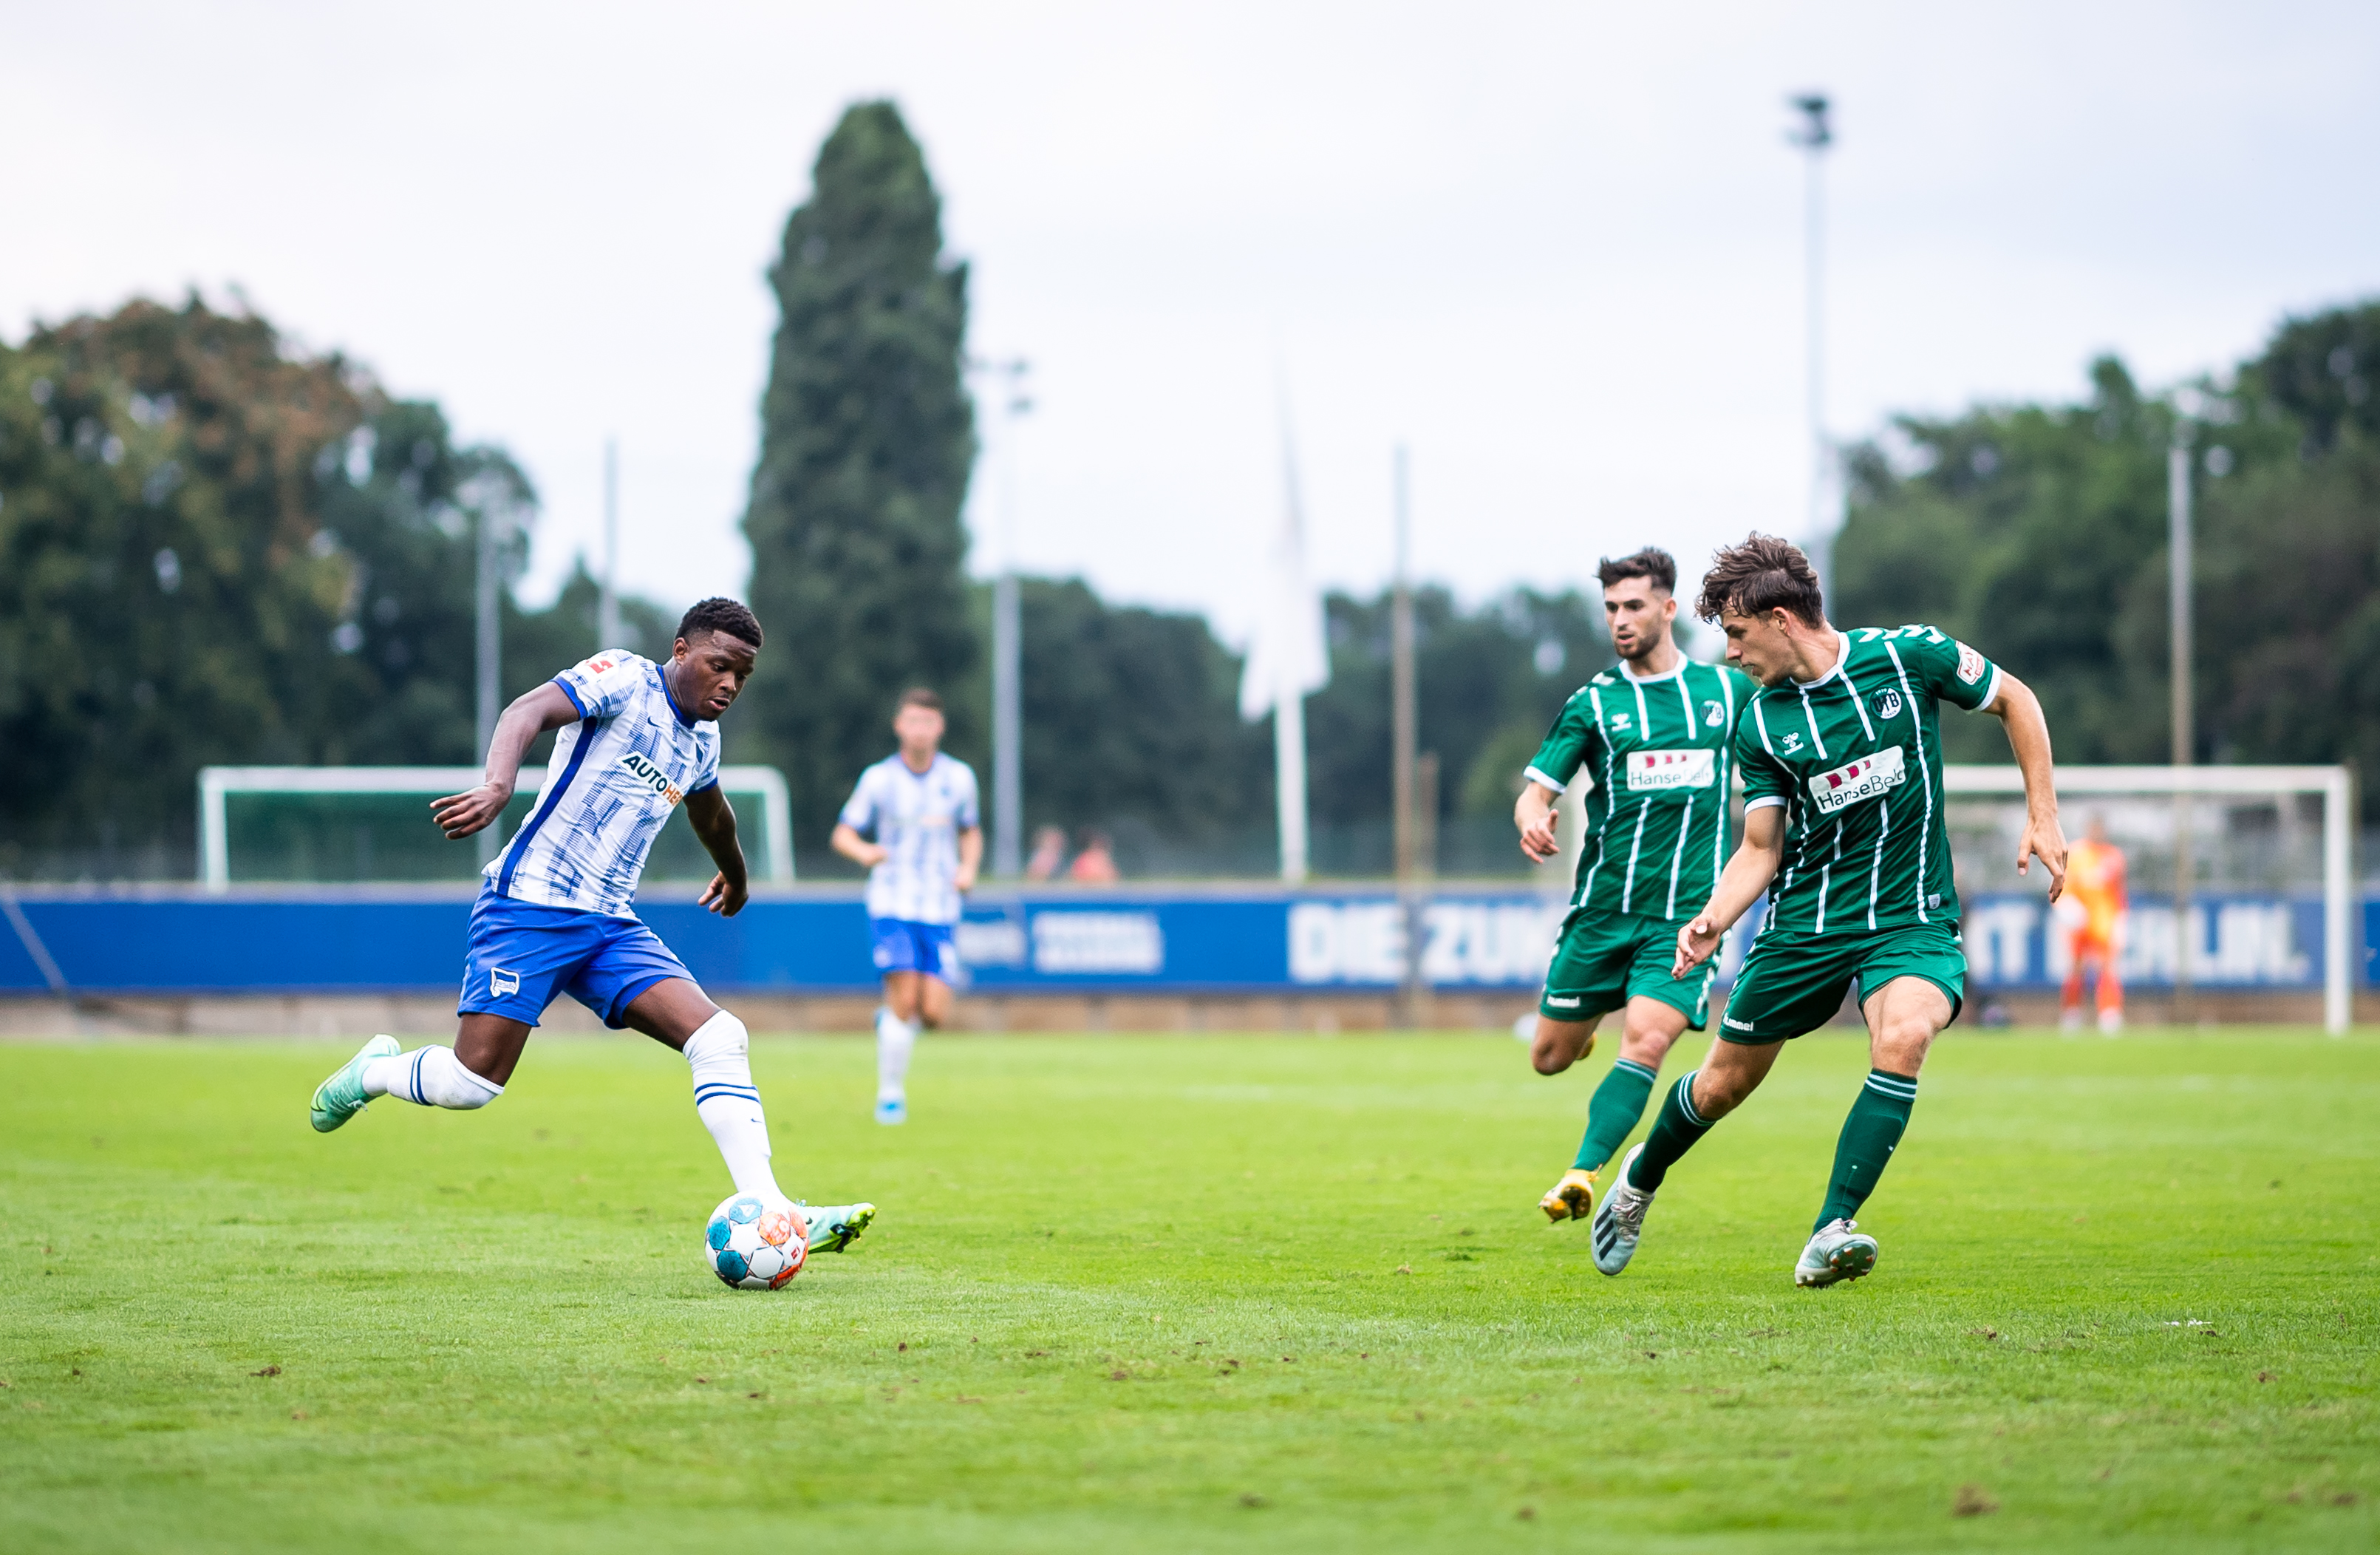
(601, 686)
(859, 810)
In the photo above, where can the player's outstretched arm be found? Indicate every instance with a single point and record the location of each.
(1748, 872)
(531, 715)
(714, 819)
(1533, 812)
(2028, 731)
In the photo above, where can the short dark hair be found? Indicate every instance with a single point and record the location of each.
(724, 616)
(1763, 574)
(919, 696)
(1650, 562)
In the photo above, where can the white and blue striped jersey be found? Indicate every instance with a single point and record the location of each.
(615, 776)
(916, 818)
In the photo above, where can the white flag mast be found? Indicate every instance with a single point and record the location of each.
(1287, 660)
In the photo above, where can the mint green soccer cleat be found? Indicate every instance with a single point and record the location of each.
(833, 1227)
(341, 1096)
(1837, 1250)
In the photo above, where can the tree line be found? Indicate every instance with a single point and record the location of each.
(215, 547)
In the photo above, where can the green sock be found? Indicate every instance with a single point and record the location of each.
(1870, 1133)
(1618, 1102)
(1674, 1133)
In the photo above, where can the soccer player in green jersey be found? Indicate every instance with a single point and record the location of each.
(1649, 737)
(1843, 827)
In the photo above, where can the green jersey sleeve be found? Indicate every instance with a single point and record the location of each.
(1566, 746)
(1765, 781)
(1940, 664)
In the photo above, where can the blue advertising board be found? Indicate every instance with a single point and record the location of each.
(1186, 941)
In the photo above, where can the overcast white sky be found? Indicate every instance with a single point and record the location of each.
(1556, 246)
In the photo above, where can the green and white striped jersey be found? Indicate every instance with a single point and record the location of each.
(1654, 754)
(1856, 759)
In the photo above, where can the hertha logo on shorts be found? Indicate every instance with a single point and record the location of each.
(503, 984)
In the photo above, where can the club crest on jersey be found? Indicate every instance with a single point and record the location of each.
(1714, 715)
(1888, 703)
(1655, 770)
(1862, 779)
(640, 767)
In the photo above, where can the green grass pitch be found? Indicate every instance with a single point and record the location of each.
(1196, 1292)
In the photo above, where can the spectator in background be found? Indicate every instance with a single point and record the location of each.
(1096, 864)
(1048, 854)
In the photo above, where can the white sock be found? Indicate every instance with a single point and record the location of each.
(724, 1098)
(429, 1078)
(895, 1039)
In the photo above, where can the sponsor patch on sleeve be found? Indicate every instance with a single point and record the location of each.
(1970, 664)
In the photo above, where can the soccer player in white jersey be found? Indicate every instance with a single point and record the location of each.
(556, 912)
(928, 842)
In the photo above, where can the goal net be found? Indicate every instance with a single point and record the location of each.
(2240, 879)
(371, 825)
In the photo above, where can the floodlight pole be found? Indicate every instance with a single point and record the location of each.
(1404, 723)
(607, 608)
(493, 518)
(1815, 134)
(1008, 648)
(2176, 469)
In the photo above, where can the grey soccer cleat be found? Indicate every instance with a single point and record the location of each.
(833, 1227)
(341, 1096)
(1837, 1250)
(1620, 1219)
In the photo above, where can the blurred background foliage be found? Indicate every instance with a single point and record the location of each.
(216, 546)
(2039, 533)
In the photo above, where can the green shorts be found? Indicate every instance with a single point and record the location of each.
(1794, 983)
(1604, 959)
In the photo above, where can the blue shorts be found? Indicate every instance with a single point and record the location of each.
(905, 946)
(520, 955)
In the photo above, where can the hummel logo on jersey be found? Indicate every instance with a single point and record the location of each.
(1562, 1003)
(1734, 1024)
(1862, 779)
(500, 982)
(1672, 769)
(1791, 742)
(1619, 722)
(641, 768)
(1888, 703)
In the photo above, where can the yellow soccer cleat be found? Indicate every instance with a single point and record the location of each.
(1573, 1198)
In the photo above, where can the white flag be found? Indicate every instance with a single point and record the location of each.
(1287, 657)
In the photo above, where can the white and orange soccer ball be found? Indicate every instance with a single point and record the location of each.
(756, 1244)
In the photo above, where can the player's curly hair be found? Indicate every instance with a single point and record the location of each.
(728, 617)
(1652, 564)
(1763, 574)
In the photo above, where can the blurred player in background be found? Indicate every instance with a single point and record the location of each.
(927, 845)
(1841, 754)
(556, 914)
(2092, 914)
(1649, 738)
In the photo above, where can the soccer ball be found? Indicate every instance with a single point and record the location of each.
(756, 1244)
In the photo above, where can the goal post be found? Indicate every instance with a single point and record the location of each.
(2333, 785)
(352, 790)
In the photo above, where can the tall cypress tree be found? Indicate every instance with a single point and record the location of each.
(867, 437)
